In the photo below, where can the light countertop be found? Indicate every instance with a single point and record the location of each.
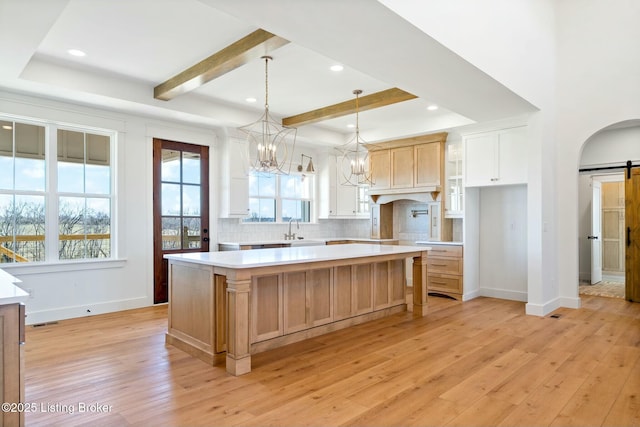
(302, 242)
(428, 243)
(292, 255)
(9, 292)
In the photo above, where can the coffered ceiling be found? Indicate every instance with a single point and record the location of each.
(135, 46)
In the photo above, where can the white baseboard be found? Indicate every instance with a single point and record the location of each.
(52, 315)
(470, 295)
(504, 294)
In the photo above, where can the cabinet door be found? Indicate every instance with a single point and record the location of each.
(512, 156)
(267, 310)
(342, 292)
(346, 200)
(427, 165)
(379, 162)
(480, 160)
(12, 385)
(237, 181)
(401, 167)
(320, 285)
(295, 301)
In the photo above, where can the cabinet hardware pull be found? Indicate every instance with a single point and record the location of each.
(439, 265)
(628, 236)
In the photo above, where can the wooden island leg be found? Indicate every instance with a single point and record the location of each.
(420, 285)
(238, 341)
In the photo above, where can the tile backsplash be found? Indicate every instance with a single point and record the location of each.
(232, 230)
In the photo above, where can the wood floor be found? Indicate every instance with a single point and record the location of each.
(482, 362)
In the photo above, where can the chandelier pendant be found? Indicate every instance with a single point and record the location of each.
(270, 144)
(354, 158)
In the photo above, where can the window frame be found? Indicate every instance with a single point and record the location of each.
(52, 195)
(278, 198)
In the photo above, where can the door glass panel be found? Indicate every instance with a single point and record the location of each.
(171, 199)
(191, 233)
(170, 165)
(190, 200)
(171, 233)
(191, 168)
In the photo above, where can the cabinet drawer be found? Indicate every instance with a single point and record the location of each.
(444, 265)
(454, 251)
(444, 283)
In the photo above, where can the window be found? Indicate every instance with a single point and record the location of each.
(279, 198)
(54, 207)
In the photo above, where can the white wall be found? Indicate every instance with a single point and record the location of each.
(598, 71)
(503, 242)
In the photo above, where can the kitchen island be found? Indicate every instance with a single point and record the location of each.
(237, 303)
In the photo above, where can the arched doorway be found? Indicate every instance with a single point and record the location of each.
(605, 231)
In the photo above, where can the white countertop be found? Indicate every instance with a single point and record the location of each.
(318, 240)
(294, 255)
(10, 293)
(426, 242)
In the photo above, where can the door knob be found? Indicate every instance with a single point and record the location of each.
(592, 237)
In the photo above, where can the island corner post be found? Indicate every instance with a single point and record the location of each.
(228, 308)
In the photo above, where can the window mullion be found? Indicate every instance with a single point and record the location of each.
(52, 197)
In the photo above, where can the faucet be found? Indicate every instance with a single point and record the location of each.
(291, 236)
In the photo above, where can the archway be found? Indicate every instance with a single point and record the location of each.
(602, 162)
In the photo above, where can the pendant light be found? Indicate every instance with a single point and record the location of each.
(354, 160)
(268, 141)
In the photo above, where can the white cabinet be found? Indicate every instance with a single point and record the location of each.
(234, 192)
(496, 157)
(454, 190)
(341, 201)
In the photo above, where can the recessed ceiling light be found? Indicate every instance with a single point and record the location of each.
(76, 52)
(251, 100)
(432, 107)
(336, 67)
(7, 127)
(351, 125)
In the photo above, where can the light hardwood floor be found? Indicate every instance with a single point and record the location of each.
(482, 362)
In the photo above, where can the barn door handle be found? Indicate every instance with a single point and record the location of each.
(628, 236)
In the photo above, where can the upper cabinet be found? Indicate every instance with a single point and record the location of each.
(234, 194)
(454, 191)
(411, 165)
(338, 200)
(496, 157)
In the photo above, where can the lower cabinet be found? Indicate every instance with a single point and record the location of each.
(285, 303)
(11, 362)
(444, 267)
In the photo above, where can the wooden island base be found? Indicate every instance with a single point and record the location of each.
(218, 312)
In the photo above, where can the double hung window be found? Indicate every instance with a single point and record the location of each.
(279, 198)
(56, 193)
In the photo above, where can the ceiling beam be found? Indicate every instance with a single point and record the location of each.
(367, 102)
(252, 46)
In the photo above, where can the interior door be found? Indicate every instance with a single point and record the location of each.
(180, 205)
(632, 223)
(596, 232)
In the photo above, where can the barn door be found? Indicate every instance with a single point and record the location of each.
(632, 224)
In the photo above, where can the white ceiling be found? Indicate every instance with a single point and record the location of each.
(134, 45)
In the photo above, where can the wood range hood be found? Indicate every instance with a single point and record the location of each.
(407, 169)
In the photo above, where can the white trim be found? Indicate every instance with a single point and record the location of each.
(503, 294)
(470, 295)
(23, 269)
(84, 310)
